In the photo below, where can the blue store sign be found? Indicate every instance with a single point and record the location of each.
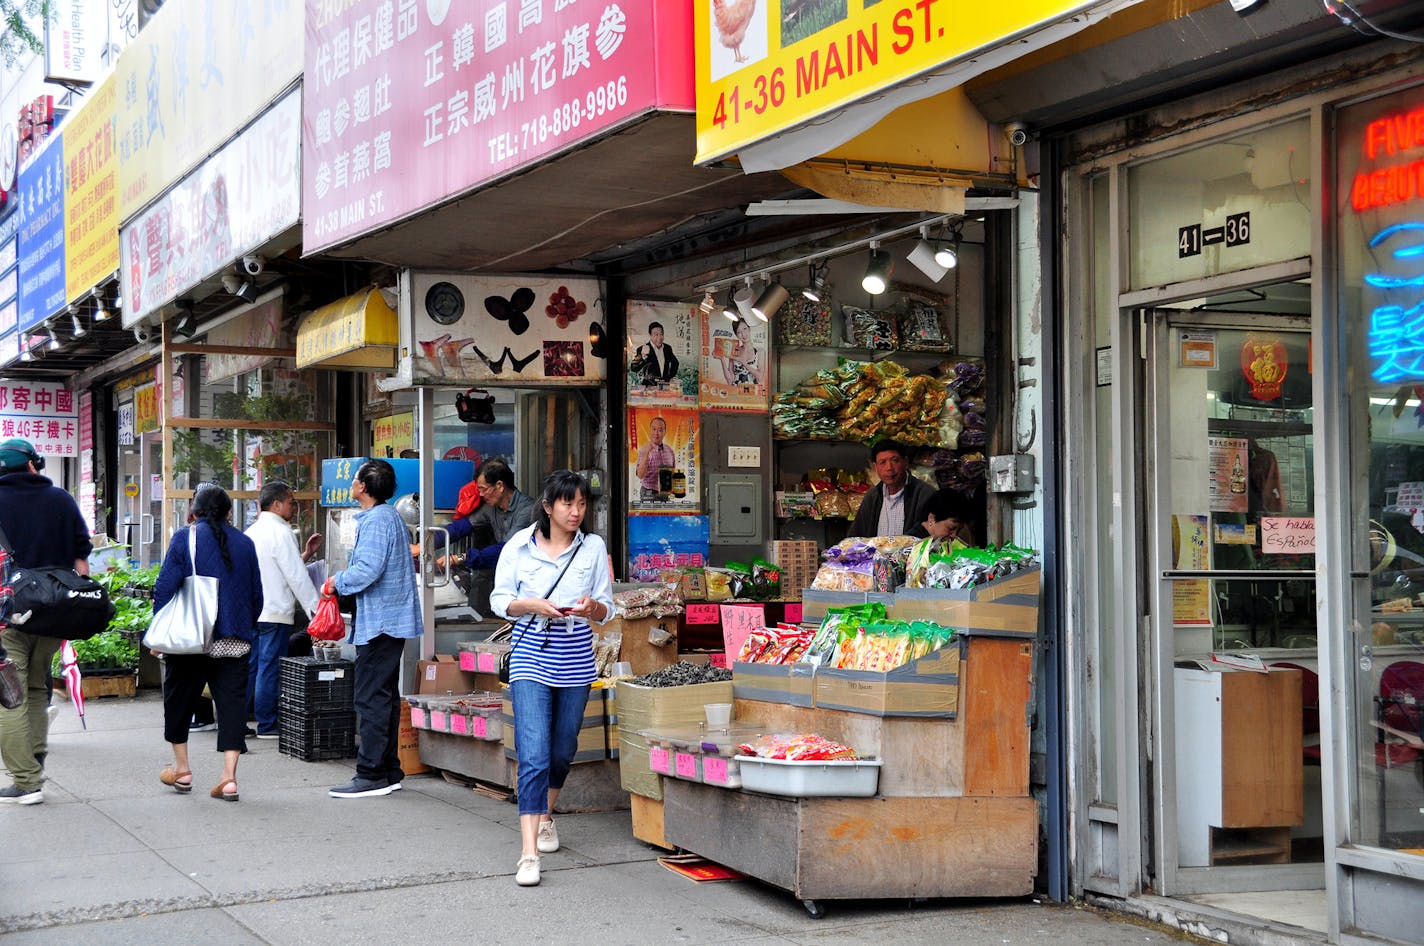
(42, 235)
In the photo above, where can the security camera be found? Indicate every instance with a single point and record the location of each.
(253, 264)
(142, 335)
(1018, 134)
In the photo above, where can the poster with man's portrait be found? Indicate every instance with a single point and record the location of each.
(663, 459)
(734, 365)
(662, 354)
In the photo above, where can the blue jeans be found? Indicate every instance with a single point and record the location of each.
(264, 675)
(546, 730)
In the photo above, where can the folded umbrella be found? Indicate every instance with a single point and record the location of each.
(69, 669)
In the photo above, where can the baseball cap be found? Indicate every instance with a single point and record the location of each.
(16, 453)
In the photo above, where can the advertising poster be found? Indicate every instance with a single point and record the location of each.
(507, 331)
(1229, 461)
(734, 365)
(657, 543)
(663, 459)
(664, 344)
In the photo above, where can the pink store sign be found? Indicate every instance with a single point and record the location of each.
(406, 103)
(46, 414)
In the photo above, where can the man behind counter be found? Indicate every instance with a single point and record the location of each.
(901, 504)
(502, 506)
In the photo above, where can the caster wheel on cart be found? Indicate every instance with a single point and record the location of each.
(813, 909)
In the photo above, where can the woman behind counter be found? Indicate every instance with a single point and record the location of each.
(230, 556)
(551, 664)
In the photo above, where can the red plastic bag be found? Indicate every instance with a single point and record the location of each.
(327, 624)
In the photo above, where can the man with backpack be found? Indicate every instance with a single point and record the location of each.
(45, 529)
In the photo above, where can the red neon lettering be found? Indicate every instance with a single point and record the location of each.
(1394, 133)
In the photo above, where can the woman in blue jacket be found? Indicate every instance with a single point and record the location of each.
(226, 554)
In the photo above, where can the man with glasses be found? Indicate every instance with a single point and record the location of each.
(285, 583)
(503, 508)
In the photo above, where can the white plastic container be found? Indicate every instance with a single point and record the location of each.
(859, 778)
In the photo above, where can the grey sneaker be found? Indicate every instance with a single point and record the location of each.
(548, 837)
(15, 795)
(361, 788)
(527, 872)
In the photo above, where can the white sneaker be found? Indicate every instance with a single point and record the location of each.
(52, 711)
(527, 874)
(548, 837)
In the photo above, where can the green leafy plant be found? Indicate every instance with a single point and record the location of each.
(107, 650)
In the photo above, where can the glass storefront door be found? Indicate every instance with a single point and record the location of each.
(140, 498)
(1232, 519)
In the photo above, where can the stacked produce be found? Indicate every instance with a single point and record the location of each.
(683, 674)
(783, 644)
(865, 402)
(654, 602)
(800, 747)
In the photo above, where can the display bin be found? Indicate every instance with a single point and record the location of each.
(316, 738)
(1006, 607)
(699, 754)
(641, 707)
(478, 722)
(774, 683)
(316, 686)
(858, 778)
(482, 656)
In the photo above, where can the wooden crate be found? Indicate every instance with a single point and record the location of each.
(648, 821)
(96, 686)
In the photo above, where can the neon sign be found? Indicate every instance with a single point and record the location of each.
(1397, 183)
(1396, 333)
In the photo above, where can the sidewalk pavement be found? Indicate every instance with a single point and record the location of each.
(113, 856)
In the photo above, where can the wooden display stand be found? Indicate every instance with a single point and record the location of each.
(953, 817)
(1239, 765)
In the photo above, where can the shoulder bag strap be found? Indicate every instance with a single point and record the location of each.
(552, 588)
(193, 549)
(5, 544)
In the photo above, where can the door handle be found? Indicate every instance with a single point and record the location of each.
(1243, 574)
(426, 556)
(152, 534)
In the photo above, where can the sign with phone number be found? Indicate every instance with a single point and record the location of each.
(760, 71)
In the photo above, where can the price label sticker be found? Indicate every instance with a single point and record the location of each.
(481, 727)
(686, 765)
(438, 721)
(703, 614)
(487, 664)
(718, 660)
(460, 725)
(660, 761)
(714, 770)
(417, 717)
(467, 660)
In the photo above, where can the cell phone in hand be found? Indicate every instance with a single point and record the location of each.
(566, 610)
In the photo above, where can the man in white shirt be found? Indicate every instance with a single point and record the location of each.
(285, 583)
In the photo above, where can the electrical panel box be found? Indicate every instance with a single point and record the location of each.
(1011, 474)
(737, 509)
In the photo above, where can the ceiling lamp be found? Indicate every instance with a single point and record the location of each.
(708, 303)
(26, 354)
(101, 311)
(744, 298)
(730, 309)
(772, 298)
(877, 272)
(53, 343)
(924, 257)
(78, 325)
(816, 286)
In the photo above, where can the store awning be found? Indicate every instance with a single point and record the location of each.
(812, 130)
(360, 331)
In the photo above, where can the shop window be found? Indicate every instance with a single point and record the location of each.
(1220, 207)
(1379, 198)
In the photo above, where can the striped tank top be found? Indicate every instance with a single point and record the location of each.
(555, 653)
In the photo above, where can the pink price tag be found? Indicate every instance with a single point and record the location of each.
(487, 664)
(659, 761)
(417, 717)
(460, 725)
(792, 612)
(718, 660)
(686, 765)
(467, 660)
(714, 770)
(481, 727)
(703, 614)
(438, 721)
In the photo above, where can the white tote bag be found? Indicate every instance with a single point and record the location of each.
(185, 624)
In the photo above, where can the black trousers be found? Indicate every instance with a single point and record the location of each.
(184, 676)
(377, 700)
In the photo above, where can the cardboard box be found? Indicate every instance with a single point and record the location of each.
(593, 734)
(636, 649)
(798, 561)
(442, 674)
(927, 687)
(642, 707)
(408, 745)
(774, 683)
(1006, 608)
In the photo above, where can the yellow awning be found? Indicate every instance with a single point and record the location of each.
(360, 331)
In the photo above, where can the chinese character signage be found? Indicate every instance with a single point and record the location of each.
(41, 246)
(243, 196)
(657, 544)
(91, 200)
(43, 413)
(197, 73)
(768, 65)
(507, 331)
(409, 102)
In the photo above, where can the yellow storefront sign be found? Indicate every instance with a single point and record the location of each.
(390, 435)
(359, 331)
(91, 198)
(764, 67)
(146, 401)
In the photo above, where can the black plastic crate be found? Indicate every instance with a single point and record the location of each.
(317, 686)
(316, 738)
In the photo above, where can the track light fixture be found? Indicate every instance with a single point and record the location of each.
(26, 354)
(730, 309)
(101, 313)
(744, 298)
(708, 303)
(816, 283)
(925, 257)
(242, 287)
(79, 331)
(772, 298)
(53, 343)
(877, 271)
